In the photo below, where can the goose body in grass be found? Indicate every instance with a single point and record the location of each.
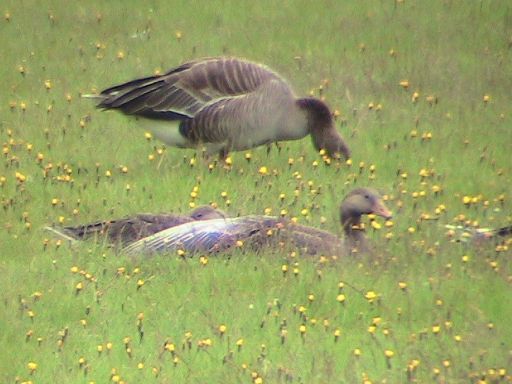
(260, 232)
(478, 236)
(225, 104)
(122, 232)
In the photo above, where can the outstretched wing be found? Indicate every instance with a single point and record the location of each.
(183, 91)
(193, 236)
(203, 236)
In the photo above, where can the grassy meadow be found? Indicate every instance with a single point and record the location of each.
(422, 93)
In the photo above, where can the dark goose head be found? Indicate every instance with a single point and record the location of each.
(322, 129)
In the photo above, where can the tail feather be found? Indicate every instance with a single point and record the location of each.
(504, 231)
(133, 84)
(62, 233)
(92, 96)
(83, 232)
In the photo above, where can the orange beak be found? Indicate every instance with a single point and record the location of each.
(381, 210)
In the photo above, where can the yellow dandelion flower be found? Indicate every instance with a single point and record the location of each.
(340, 298)
(404, 84)
(263, 171)
(32, 367)
(371, 296)
(169, 347)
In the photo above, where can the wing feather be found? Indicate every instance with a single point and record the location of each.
(187, 88)
(202, 236)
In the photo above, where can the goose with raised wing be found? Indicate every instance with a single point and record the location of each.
(260, 232)
(225, 104)
(122, 232)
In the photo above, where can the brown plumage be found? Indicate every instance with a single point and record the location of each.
(129, 229)
(225, 104)
(262, 232)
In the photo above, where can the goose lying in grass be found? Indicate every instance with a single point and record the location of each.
(264, 231)
(226, 104)
(477, 236)
(129, 229)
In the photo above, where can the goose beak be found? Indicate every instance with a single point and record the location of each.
(381, 210)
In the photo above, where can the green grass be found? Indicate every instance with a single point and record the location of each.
(455, 52)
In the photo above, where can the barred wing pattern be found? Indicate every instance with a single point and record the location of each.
(185, 90)
(203, 236)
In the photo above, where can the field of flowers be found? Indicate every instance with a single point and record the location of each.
(421, 93)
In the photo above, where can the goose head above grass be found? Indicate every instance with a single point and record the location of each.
(261, 232)
(225, 104)
(359, 202)
(129, 229)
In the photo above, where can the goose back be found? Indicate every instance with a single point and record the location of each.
(184, 90)
(129, 229)
(254, 232)
(204, 236)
